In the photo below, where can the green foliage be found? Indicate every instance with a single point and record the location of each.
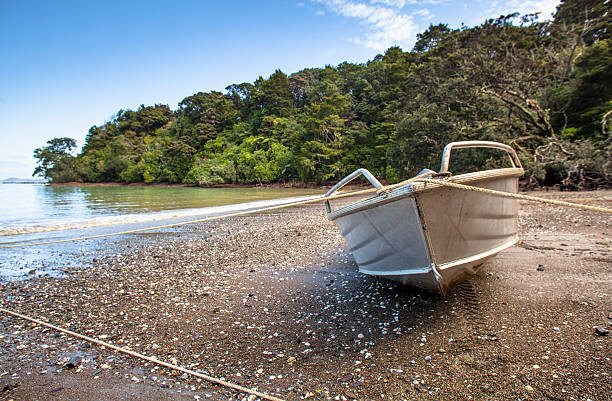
(273, 96)
(588, 94)
(55, 161)
(543, 87)
(211, 172)
(576, 12)
(429, 39)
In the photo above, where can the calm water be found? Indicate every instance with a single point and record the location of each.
(33, 213)
(37, 208)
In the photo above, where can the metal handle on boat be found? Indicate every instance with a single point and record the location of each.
(477, 144)
(349, 178)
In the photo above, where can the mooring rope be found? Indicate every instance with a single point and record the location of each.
(420, 178)
(151, 359)
(391, 187)
(516, 196)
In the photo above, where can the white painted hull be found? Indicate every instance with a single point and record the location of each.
(430, 236)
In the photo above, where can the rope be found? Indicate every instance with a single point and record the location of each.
(146, 358)
(516, 196)
(408, 181)
(419, 178)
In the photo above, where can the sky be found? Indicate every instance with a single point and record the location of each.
(66, 66)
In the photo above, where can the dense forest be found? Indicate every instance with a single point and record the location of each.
(545, 88)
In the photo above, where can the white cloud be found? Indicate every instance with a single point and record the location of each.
(392, 3)
(385, 27)
(388, 22)
(320, 12)
(545, 7)
(402, 3)
(301, 4)
(424, 13)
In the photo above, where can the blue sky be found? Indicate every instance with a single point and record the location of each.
(68, 65)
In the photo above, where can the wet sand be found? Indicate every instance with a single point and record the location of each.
(275, 301)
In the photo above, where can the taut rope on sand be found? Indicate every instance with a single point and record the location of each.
(156, 361)
(419, 178)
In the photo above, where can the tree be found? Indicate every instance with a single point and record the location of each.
(587, 95)
(542, 87)
(429, 39)
(203, 116)
(55, 161)
(273, 96)
(592, 17)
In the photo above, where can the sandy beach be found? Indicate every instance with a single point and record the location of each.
(275, 302)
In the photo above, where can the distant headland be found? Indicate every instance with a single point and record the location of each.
(14, 180)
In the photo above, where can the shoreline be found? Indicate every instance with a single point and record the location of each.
(294, 185)
(275, 301)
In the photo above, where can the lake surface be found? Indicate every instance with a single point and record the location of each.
(33, 213)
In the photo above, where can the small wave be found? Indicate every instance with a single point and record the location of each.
(98, 221)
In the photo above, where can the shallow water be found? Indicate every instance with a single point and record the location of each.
(36, 213)
(28, 208)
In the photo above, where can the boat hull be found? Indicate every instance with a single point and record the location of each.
(431, 236)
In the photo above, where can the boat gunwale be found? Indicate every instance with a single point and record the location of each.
(413, 189)
(479, 256)
(441, 267)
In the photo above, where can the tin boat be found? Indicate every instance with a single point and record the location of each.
(427, 235)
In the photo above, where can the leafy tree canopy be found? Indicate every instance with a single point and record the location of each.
(543, 87)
